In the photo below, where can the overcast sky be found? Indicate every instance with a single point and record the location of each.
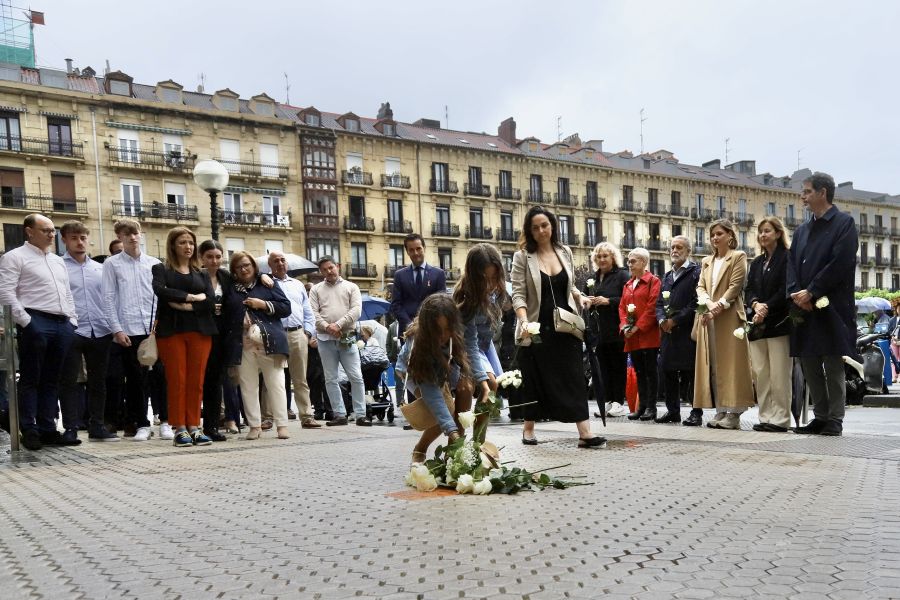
(775, 77)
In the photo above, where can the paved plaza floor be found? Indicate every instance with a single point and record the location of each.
(674, 512)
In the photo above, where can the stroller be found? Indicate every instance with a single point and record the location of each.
(374, 364)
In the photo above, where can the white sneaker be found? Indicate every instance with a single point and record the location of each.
(165, 431)
(618, 410)
(143, 434)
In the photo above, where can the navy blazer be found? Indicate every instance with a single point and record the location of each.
(677, 349)
(822, 261)
(407, 297)
(768, 285)
(233, 310)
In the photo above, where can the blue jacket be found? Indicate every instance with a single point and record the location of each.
(677, 349)
(233, 311)
(407, 296)
(822, 261)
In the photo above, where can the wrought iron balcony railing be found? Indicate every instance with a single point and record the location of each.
(15, 200)
(359, 224)
(395, 181)
(452, 274)
(28, 145)
(323, 173)
(248, 169)
(355, 270)
(240, 218)
(445, 229)
(703, 214)
(502, 193)
(539, 196)
(360, 178)
(173, 162)
(629, 206)
(508, 235)
(158, 210)
(403, 227)
(391, 270)
(569, 239)
(477, 189)
(565, 199)
(439, 186)
(478, 233)
(655, 208)
(676, 210)
(595, 202)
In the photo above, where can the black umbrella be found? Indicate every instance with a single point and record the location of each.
(594, 364)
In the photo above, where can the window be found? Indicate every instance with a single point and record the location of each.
(391, 166)
(895, 280)
(864, 252)
(591, 232)
(233, 203)
(13, 236)
(742, 208)
(720, 204)
(676, 230)
(445, 258)
(699, 238)
(312, 120)
(395, 211)
(590, 193)
(119, 88)
(175, 193)
(395, 255)
(506, 224)
(879, 283)
(231, 155)
(475, 178)
(770, 209)
(389, 129)
(440, 177)
(562, 188)
(878, 221)
(442, 214)
(628, 194)
(320, 203)
(508, 262)
(358, 257)
(653, 197)
(63, 186)
(172, 145)
(506, 182)
(658, 267)
(565, 228)
(268, 156)
(699, 203)
(864, 280)
(319, 247)
(476, 221)
(272, 210)
(357, 210)
(131, 196)
(877, 252)
(676, 199)
(629, 241)
(894, 254)
(789, 212)
(536, 186)
(655, 237)
(12, 190)
(232, 245)
(10, 137)
(59, 134)
(743, 240)
(274, 246)
(354, 162)
(129, 148)
(351, 125)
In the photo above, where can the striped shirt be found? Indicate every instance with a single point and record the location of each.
(86, 282)
(128, 298)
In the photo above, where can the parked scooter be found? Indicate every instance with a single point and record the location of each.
(866, 377)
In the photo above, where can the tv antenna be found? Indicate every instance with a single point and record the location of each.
(643, 118)
(726, 149)
(798, 158)
(287, 89)
(559, 128)
(447, 116)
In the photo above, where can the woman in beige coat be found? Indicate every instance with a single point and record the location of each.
(722, 377)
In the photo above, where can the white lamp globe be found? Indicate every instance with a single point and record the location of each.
(211, 175)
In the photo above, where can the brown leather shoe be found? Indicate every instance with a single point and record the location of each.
(310, 424)
(266, 425)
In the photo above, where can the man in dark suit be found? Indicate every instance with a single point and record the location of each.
(414, 283)
(675, 311)
(820, 278)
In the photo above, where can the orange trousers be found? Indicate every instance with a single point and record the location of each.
(184, 357)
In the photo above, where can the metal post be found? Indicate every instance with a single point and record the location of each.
(214, 216)
(9, 351)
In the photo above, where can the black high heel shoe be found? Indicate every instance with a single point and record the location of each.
(594, 442)
(529, 441)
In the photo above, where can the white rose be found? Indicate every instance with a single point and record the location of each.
(360, 344)
(631, 308)
(822, 302)
(590, 282)
(483, 487)
(702, 297)
(739, 333)
(410, 478)
(486, 461)
(466, 419)
(422, 478)
(517, 382)
(465, 484)
(666, 295)
(533, 328)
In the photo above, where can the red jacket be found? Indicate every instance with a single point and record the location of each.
(644, 298)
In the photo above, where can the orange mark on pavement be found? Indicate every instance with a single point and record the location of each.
(417, 495)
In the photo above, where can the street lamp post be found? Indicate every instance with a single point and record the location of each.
(212, 177)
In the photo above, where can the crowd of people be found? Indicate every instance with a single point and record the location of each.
(226, 346)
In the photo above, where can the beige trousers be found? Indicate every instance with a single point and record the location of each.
(771, 360)
(272, 368)
(298, 345)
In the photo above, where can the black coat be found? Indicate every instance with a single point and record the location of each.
(677, 349)
(823, 261)
(768, 285)
(604, 320)
(170, 286)
(273, 332)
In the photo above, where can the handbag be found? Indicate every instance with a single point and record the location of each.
(565, 321)
(147, 352)
(417, 413)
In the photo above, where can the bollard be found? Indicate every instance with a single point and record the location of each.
(9, 354)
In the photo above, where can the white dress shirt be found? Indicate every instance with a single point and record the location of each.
(128, 298)
(86, 283)
(36, 279)
(301, 312)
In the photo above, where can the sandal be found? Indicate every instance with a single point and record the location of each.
(253, 434)
(418, 457)
(594, 442)
(452, 436)
(532, 441)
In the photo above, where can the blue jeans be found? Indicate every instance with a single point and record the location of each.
(42, 348)
(332, 354)
(433, 397)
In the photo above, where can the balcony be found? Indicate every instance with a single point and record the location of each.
(356, 178)
(158, 210)
(395, 181)
(438, 186)
(478, 233)
(879, 230)
(391, 270)
(538, 197)
(895, 263)
(320, 221)
(29, 203)
(703, 249)
(367, 271)
(502, 193)
(750, 252)
(629, 206)
(702, 214)
(508, 235)
(792, 222)
(569, 239)
(679, 212)
(476, 189)
(744, 219)
(311, 172)
(359, 224)
(254, 170)
(895, 231)
(631, 243)
(399, 227)
(451, 274)
(882, 261)
(27, 145)
(565, 199)
(241, 218)
(657, 246)
(594, 202)
(148, 160)
(445, 230)
(590, 241)
(655, 208)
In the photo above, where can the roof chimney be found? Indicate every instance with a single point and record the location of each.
(507, 131)
(713, 164)
(69, 66)
(846, 184)
(385, 111)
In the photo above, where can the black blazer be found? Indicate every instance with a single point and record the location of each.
(768, 285)
(171, 286)
(604, 320)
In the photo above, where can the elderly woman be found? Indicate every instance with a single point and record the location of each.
(637, 322)
(542, 281)
(722, 369)
(603, 320)
(255, 341)
(770, 348)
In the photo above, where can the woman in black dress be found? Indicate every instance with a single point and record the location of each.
(542, 279)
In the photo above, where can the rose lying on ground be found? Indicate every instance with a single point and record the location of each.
(482, 487)
(421, 478)
(465, 484)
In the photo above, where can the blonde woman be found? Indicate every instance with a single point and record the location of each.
(722, 369)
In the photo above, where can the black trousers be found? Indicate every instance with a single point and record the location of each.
(213, 381)
(645, 368)
(678, 388)
(115, 388)
(95, 353)
(315, 378)
(136, 384)
(613, 362)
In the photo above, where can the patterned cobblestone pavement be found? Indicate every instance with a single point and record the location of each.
(675, 512)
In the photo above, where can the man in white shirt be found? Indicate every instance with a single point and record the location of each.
(130, 305)
(299, 328)
(92, 339)
(35, 284)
